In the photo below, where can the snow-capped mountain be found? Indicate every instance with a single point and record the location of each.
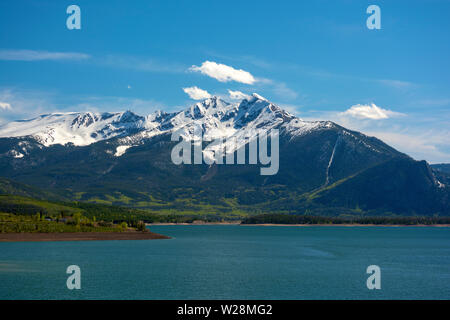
(216, 117)
(78, 128)
(123, 158)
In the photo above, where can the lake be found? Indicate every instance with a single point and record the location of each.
(236, 262)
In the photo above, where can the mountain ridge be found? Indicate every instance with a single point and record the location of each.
(63, 128)
(129, 163)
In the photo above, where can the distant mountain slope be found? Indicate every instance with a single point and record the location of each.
(131, 164)
(78, 128)
(401, 186)
(30, 206)
(444, 167)
(9, 187)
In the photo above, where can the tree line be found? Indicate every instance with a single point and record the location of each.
(307, 219)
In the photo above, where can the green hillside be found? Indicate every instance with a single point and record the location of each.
(10, 187)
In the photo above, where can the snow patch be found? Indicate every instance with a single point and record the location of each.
(120, 150)
(331, 161)
(239, 120)
(79, 128)
(16, 154)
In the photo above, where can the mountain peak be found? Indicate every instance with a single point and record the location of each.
(217, 117)
(129, 116)
(213, 102)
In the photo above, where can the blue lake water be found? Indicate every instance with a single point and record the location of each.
(236, 262)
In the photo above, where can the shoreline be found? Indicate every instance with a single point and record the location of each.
(346, 225)
(296, 225)
(136, 235)
(80, 236)
(192, 223)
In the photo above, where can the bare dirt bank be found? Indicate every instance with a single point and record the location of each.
(80, 236)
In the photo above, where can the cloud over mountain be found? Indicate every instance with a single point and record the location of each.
(5, 106)
(224, 73)
(196, 93)
(370, 112)
(238, 95)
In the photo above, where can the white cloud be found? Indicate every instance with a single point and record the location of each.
(370, 112)
(223, 73)
(237, 95)
(32, 55)
(398, 84)
(197, 93)
(5, 106)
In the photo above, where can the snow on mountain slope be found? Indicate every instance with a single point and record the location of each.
(79, 128)
(219, 119)
(215, 117)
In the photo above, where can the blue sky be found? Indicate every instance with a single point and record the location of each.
(315, 58)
